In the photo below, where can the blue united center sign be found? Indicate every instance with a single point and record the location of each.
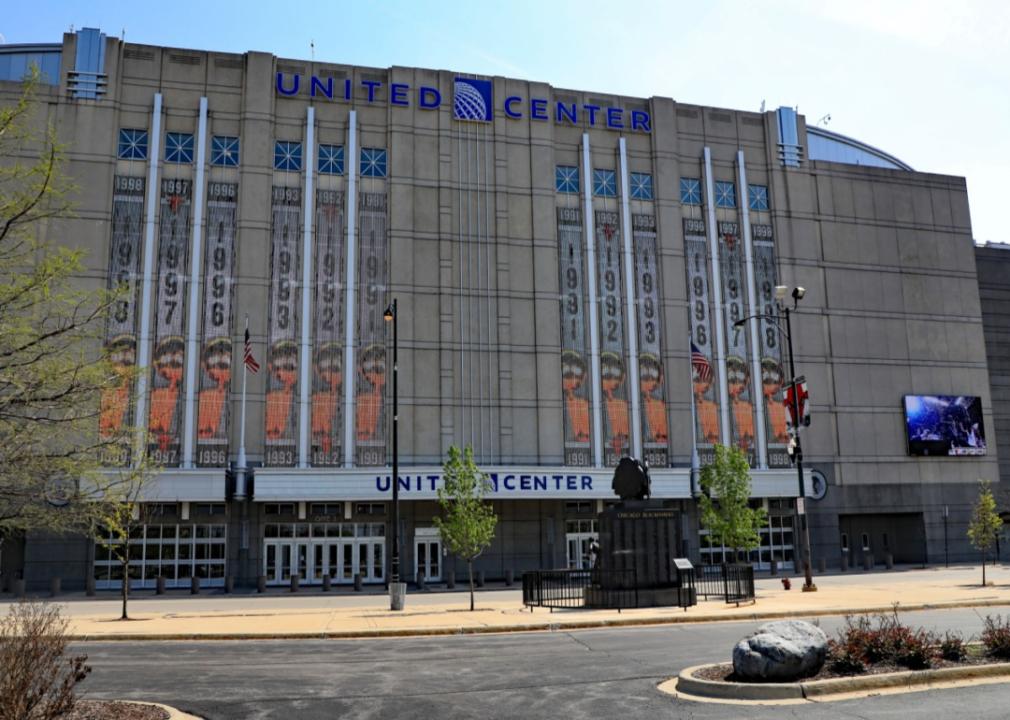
(473, 101)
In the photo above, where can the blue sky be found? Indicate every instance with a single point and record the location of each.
(926, 80)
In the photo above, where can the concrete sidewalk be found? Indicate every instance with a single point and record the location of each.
(312, 613)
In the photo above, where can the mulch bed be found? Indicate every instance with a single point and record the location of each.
(724, 671)
(112, 710)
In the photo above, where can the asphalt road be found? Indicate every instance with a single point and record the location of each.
(570, 675)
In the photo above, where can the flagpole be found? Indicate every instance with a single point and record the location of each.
(695, 460)
(242, 466)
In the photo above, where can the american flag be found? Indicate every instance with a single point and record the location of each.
(702, 367)
(248, 359)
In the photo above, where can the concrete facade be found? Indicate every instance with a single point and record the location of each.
(465, 226)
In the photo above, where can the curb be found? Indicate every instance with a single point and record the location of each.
(173, 713)
(546, 626)
(687, 685)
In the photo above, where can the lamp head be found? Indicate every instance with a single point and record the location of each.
(798, 293)
(389, 313)
(780, 292)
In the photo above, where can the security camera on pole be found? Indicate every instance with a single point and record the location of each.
(797, 412)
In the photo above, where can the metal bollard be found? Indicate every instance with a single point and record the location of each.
(261, 584)
(295, 582)
(229, 583)
(359, 582)
(867, 561)
(89, 586)
(159, 585)
(327, 583)
(822, 565)
(889, 561)
(480, 578)
(450, 581)
(54, 587)
(419, 580)
(844, 564)
(18, 587)
(774, 567)
(194, 585)
(509, 577)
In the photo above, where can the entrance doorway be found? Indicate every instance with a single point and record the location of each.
(428, 554)
(318, 550)
(579, 535)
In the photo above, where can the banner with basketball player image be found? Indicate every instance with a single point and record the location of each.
(370, 388)
(773, 375)
(613, 370)
(116, 412)
(328, 354)
(655, 428)
(165, 423)
(574, 367)
(282, 353)
(738, 373)
(216, 351)
(703, 376)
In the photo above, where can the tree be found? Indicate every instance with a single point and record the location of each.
(468, 522)
(53, 369)
(985, 522)
(118, 517)
(725, 502)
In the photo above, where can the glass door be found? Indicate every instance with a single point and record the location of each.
(427, 559)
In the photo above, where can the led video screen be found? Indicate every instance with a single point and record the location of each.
(944, 425)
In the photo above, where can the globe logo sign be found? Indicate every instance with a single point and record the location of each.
(472, 100)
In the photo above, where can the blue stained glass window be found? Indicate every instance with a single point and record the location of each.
(331, 159)
(604, 183)
(641, 186)
(224, 151)
(287, 156)
(690, 191)
(179, 147)
(133, 144)
(725, 194)
(757, 197)
(566, 179)
(373, 162)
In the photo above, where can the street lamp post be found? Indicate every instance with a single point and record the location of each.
(397, 590)
(946, 555)
(797, 294)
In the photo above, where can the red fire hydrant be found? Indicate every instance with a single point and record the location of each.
(786, 584)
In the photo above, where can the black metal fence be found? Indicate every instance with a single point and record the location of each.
(618, 589)
(578, 588)
(732, 582)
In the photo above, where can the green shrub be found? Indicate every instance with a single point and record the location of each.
(996, 637)
(952, 647)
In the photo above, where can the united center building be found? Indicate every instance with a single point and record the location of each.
(569, 269)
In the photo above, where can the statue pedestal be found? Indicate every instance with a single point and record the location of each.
(638, 541)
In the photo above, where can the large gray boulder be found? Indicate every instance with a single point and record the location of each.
(781, 651)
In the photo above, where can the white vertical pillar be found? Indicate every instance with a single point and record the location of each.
(193, 321)
(305, 366)
(717, 314)
(352, 253)
(629, 293)
(147, 287)
(594, 330)
(755, 348)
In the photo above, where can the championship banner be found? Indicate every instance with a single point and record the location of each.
(370, 419)
(703, 376)
(216, 353)
(167, 398)
(613, 372)
(738, 379)
(655, 428)
(121, 332)
(282, 353)
(773, 376)
(327, 356)
(574, 368)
